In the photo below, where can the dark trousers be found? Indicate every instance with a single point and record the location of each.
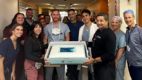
(105, 72)
(7, 73)
(135, 72)
(73, 72)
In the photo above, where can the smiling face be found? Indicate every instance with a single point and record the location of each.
(92, 17)
(101, 22)
(20, 19)
(18, 31)
(42, 21)
(85, 17)
(115, 25)
(29, 14)
(129, 19)
(72, 15)
(55, 16)
(47, 19)
(37, 29)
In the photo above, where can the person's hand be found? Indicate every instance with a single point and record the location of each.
(13, 76)
(46, 62)
(116, 66)
(90, 61)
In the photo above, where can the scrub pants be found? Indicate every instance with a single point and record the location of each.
(31, 71)
(73, 72)
(60, 72)
(119, 74)
(7, 73)
(105, 71)
(135, 72)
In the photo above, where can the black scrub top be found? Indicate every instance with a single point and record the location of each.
(8, 52)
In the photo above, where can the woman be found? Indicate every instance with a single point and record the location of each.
(9, 50)
(33, 52)
(120, 47)
(65, 20)
(18, 18)
(42, 21)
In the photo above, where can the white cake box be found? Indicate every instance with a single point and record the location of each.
(67, 52)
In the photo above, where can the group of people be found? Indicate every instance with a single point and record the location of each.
(25, 42)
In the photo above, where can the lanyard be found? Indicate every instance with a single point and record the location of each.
(59, 34)
(129, 37)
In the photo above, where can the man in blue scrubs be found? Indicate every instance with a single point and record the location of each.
(134, 46)
(74, 26)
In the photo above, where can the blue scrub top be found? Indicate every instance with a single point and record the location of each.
(74, 30)
(8, 52)
(86, 33)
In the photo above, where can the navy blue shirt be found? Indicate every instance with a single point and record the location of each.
(74, 30)
(8, 52)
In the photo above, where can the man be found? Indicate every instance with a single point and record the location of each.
(78, 17)
(74, 26)
(87, 31)
(61, 34)
(47, 19)
(93, 17)
(120, 48)
(103, 49)
(134, 46)
(29, 21)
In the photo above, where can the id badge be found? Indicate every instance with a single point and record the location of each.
(128, 48)
(55, 31)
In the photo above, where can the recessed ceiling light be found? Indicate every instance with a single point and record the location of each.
(61, 5)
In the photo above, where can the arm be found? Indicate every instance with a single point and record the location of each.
(67, 36)
(45, 39)
(119, 54)
(13, 71)
(2, 77)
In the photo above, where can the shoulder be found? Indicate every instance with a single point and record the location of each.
(82, 26)
(29, 40)
(5, 42)
(109, 32)
(95, 26)
(80, 22)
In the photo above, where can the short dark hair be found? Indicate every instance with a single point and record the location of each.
(71, 10)
(78, 15)
(40, 15)
(46, 15)
(29, 9)
(67, 18)
(54, 10)
(86, 11)
(104, 15)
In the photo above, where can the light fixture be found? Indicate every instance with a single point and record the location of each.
(51, 4)
(71, 4)
(61, 5)
(128, 0)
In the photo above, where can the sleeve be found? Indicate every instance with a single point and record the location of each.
(46, 30)
(28, 45)
(110, 45)
(23, 37)
(4, 48)
(6, 33)
(80, 36)
(122, 42)
(67, 30)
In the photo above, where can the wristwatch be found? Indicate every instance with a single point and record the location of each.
(95, 61)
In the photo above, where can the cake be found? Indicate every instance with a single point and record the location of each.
(67, 51)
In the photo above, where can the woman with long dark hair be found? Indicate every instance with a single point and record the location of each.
(9, 50)
(33, 52)
(18, 18)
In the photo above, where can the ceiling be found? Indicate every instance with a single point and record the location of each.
(53, 4)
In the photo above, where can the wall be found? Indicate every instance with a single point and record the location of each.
(140, 12)
(7, 13)
(39, 10)
(111, 10)
(98, 6)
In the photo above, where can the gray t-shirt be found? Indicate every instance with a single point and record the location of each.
(64, 29)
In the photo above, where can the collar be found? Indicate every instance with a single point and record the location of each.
(132, 27)
(29, 22)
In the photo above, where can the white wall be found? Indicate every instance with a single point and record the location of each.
(8, 8)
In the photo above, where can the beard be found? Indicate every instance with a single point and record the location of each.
(92, 19)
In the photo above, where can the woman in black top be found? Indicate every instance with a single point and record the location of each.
(33, 52)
